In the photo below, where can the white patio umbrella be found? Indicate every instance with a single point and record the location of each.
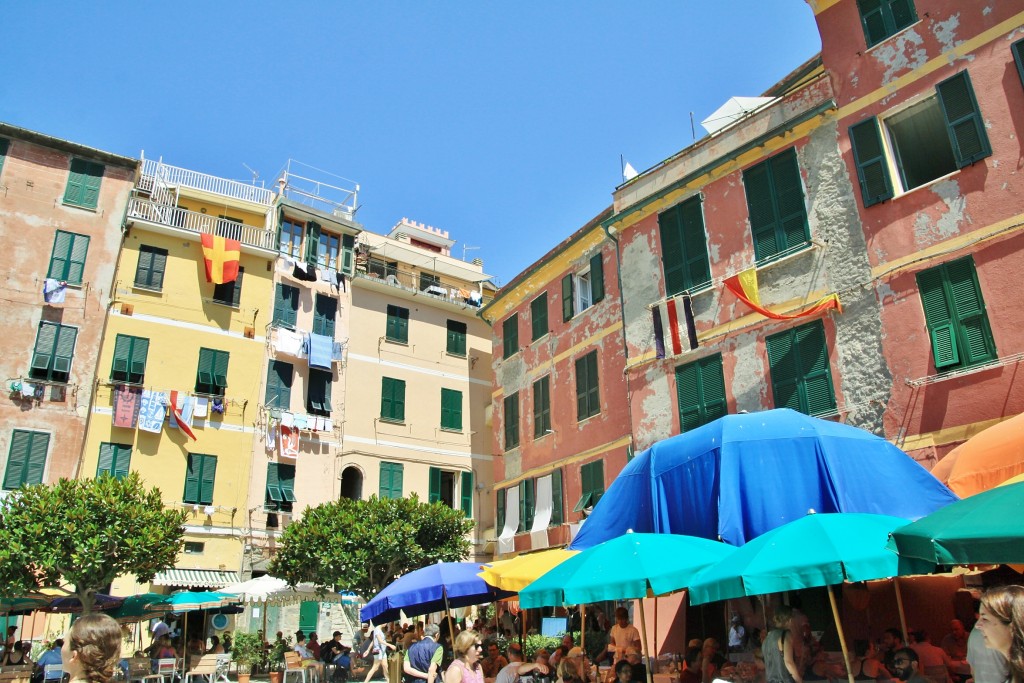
(270, 590)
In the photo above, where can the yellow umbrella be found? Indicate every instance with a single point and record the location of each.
(519, 572)
(1013, 480)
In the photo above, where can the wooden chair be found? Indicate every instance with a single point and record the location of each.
(207, 666)
(293, 667)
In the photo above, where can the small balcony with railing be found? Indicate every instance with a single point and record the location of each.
(386, 273)
(156, 173)
(178, 220)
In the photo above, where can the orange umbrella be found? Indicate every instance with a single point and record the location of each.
(987, 459)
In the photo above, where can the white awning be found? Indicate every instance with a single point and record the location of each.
(200, 578)
(507, 538)
(542, 515)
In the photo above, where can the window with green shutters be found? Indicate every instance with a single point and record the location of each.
(434, 485)
(684, 251)
(309, 616)
(511, 421)
(557, 516)
(451, 410)
(212, 373)
(872, 166)
(279, 385)
(348, 244)
(582, 290)
(954, 311)
(963, 119)
(591, 485)
(775, 201)
(801, 375)
(318, 395)
(568, 307)
(510, 336)
(130, 355)
(5, 144)
(312, 242)
(392, 399)
(200, 475)
(83, 187)
(527, 505)
(115, 460)
(149, 273)
(391, 474)
(466, 494)
(53, 352)
(1018, 57)
(596, 273)
(456, 338)
(929, 139)
(286, 306)
(539, 317)
(229, 293)
(884, 18)
(397, 329)
(499, 511)
(325, 310)
(280, 493)
(26, 459)
(588, 394)
(700, 391)
(67, 260)
(542, 407)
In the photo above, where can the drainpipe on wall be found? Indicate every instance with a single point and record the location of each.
(612, 234)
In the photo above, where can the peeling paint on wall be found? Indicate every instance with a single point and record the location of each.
(952, 214)
(945, 32)
(641, 285)
(657, 418)
(903, 53)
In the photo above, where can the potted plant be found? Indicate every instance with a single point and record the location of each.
(247, 651)
(276, 657)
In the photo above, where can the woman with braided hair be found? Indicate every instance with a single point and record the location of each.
(92, 649)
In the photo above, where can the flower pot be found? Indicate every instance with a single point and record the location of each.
(243, 678)
(275, 677)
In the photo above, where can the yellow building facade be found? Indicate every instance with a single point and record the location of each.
(169, 330)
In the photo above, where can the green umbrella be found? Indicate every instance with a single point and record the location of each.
(140, 607)
(629, 566)
(986, 528)
(816, 550)
(24, 603)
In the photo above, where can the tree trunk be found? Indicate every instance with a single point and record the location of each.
(88, 599)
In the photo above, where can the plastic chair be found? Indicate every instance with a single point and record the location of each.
(292, 667)
(223, 667)
(166, 670)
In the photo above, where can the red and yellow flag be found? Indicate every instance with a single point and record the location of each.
(221, 255)
(744, 286)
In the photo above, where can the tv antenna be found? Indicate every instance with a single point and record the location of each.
(465, 248)
(255, 173)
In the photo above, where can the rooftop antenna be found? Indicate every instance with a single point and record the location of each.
(255, 174)
(465, 248)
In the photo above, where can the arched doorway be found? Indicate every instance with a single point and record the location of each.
(352, 483)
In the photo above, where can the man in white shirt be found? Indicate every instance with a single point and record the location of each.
(623, 635)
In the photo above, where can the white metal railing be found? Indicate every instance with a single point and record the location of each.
(333, 197)
(182, 177)
(201, 223)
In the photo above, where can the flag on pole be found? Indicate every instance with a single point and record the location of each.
(177, 417)
(628, 172)
(674, 327)
(744, 286)
(221, 256)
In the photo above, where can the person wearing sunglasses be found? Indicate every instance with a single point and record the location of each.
(906, 666)
(468, 650)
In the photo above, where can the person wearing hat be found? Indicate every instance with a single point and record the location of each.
(423, 658)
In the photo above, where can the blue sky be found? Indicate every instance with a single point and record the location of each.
(501, 122)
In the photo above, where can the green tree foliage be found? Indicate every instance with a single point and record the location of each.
(85, 533)
(363, 545)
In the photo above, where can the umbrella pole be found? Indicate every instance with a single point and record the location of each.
(899, 606)
(839, 629)
(655, 626)
(643, 632)
(583, 627)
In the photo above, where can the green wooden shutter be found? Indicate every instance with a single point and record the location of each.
(36, 465)
(434, 494)
(974, 334)
(140, 356)
(963, 120)
(582, 384)
(541, 407)
(567, 303)
(712, 381)
(220, 370)
(60, 256)
(451, 409)
(122, 358)
(869, 156)
(499, 512)
(348, 243)
(1018, 56)
(527, 505)
(64, 351)
(75, 189)
(539, 317)
(42, 354)
(903, 14)
(785, 370)
(208, 479)
(557, 516)
(391, 476)
(761, 209)
(106, 461)
(392, 402)
(384, 488)
(76, 259)
(286, 305)
(286, 479)
(279, 385)
(597, 480)
(596, 278)
(193, 475)
(397, 480)
(789, 200)
(115, 460)
(594, 389)
(510, 336)
(511, 421)
(312, 242)
(688, 396)
(672, 261)
(273, 497)
(149, 273)
(318, 396)
(456, 341)
(816, 377)
(324, 314)
(467, 493)
(91, 185)
(309, 616)
(26, 460)
(397, 328)
(697, 267)
(4, 146)
(939, 317)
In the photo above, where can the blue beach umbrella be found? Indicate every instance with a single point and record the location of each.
(435, 588)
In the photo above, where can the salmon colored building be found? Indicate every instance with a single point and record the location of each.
(62, 207)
